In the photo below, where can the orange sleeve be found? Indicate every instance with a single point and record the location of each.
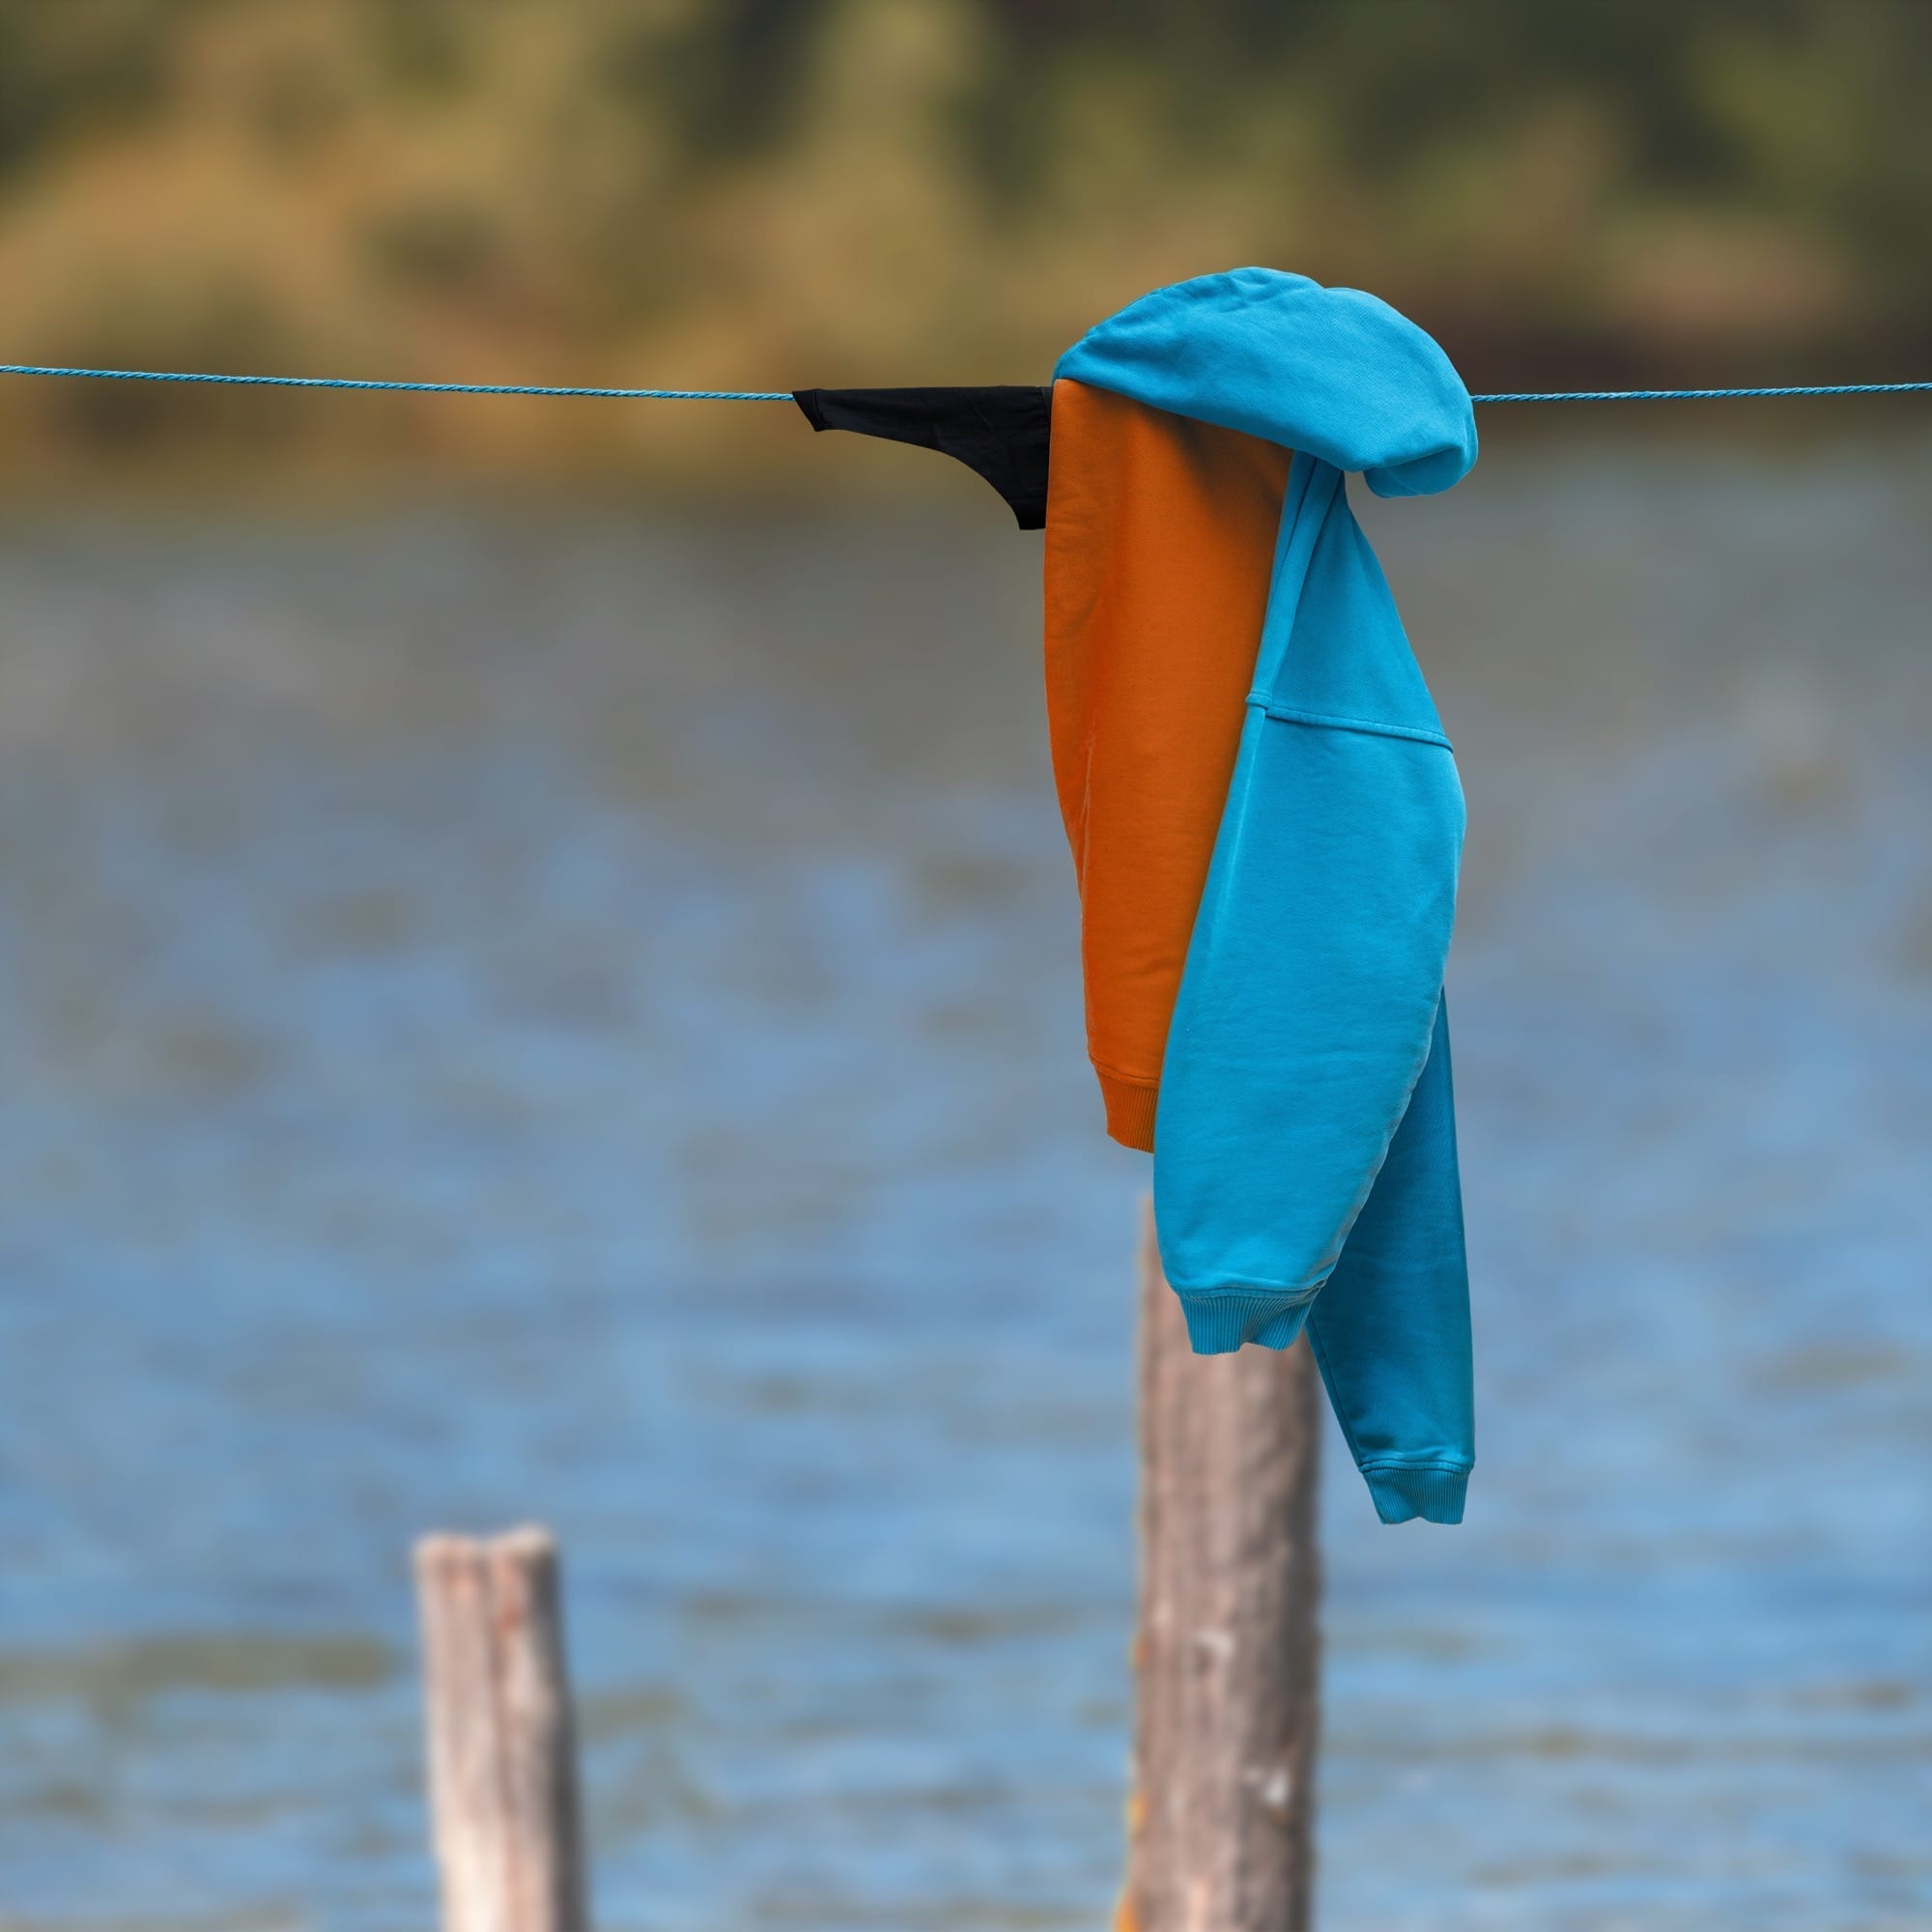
(1160, 535)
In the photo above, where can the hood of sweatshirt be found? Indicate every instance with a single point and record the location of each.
(1332, 372)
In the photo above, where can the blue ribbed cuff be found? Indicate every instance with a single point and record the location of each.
(1431, 1491)
(1220, 1320)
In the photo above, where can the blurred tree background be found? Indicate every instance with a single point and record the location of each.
(767, 192)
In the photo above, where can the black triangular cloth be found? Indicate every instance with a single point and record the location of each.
(1001, 431)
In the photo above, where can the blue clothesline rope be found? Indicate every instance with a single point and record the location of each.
(1700, 395)
(416, 388)
(785, 395)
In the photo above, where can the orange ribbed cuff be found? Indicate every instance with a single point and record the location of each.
(1130, 1110)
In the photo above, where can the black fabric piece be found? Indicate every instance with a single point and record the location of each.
(1001, 431)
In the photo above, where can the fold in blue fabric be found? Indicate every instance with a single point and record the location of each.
(1306, 1169)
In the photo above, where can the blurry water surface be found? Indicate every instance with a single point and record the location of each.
(577, 1017)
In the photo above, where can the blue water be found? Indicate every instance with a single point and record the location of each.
(577, 1018)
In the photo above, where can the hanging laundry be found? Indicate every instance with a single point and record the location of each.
(1304, 1136)
(999, 431)
(1266, 821)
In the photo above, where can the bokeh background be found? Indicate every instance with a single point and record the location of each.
(537, 962)
(773, 193)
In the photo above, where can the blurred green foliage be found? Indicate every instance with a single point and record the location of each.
(763, 192)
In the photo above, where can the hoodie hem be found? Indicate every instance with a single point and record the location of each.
(1402, 1492)
(1219, 1320)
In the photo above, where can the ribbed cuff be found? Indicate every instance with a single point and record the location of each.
(1130, 1109)
(1431, 1491)
(1220, 1320)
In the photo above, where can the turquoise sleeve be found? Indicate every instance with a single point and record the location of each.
(1391, 1326)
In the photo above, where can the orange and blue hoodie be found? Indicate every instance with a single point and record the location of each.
(1266, 824)
(1264, 816)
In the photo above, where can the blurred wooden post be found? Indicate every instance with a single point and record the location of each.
(502, 1766)
(1227, 1649)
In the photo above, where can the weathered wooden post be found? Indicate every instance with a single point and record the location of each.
(502, 1763)
(1227, 1649)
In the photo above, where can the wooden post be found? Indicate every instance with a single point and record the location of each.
(502, 1763)
(1227, 1649)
